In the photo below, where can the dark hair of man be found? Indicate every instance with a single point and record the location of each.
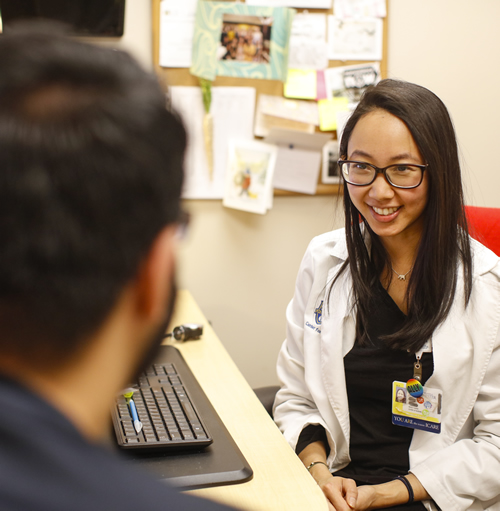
(444, 243)
(91, 169)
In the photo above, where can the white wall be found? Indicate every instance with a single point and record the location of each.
(241, 268)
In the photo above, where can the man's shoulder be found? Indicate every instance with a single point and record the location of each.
(47, 465)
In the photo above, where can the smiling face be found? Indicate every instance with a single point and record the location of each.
(382, 139)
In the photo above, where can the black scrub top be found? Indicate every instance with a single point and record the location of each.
(378, 448)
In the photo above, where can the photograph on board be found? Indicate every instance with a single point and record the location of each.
(249, 176)
(240, 40)
(245, 39)
(330, 173)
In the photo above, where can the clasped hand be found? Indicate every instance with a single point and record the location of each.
(343, 494)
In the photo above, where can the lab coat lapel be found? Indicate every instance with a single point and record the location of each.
(337, 339)
(459, 367)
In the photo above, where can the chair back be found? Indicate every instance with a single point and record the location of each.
(484, 226)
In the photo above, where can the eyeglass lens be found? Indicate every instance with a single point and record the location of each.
(399, 175)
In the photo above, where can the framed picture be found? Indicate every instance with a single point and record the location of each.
(249, 176)
(330, 171)
(245, 41)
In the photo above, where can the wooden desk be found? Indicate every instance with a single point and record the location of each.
(280, 480)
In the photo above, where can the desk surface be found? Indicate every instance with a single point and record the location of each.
(280, 480)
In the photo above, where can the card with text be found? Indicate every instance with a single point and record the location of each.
(422, 412)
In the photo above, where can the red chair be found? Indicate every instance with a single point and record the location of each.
(484, 226)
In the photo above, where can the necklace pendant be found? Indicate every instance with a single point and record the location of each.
(399, 275)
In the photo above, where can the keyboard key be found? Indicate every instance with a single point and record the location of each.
(198, 430)
(188, 409)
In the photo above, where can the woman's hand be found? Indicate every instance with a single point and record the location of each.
(341, 493)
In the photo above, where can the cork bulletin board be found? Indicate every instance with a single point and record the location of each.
(182, 76)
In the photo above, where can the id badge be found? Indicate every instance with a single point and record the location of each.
(423, 412)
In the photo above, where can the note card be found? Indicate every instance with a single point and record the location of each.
(308, 46)
(354, 39)
(328, 109)
(360, 8)
(278, 112)
(307, 4)
(301, 84)
(298, 160)
(176, 32)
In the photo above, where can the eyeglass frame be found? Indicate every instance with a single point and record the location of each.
(383, 170)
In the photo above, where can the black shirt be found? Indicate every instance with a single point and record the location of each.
(47, 465)
(378, 449)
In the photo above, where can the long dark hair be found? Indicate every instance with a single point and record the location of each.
(445, 241)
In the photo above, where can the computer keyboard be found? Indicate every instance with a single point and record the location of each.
(168, 417)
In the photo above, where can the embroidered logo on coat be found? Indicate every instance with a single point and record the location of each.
(318, 313)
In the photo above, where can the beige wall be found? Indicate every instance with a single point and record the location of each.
(453, 48)
(241, 268)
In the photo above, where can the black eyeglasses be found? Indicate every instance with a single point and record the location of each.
(399, 175)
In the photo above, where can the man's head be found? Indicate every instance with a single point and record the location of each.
(90, 174)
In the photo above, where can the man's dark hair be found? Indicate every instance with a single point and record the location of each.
(91, 169)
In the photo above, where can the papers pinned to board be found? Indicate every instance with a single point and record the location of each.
(269, 35)
(232, 109)
(249, 176)
(351, 81)
(308, 48)
(298, 160)
(306, 4)
(176, 32)
(278, 112)
(354, 39)
(360, 8)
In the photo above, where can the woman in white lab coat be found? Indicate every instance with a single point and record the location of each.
(401, 298)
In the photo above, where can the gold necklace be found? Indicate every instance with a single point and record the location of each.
(401, 277)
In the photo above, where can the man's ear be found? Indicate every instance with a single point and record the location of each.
(153, 282)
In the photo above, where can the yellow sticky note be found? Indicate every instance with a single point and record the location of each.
(328, 109)
(301, 84)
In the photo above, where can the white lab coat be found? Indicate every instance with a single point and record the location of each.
(460, 467)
